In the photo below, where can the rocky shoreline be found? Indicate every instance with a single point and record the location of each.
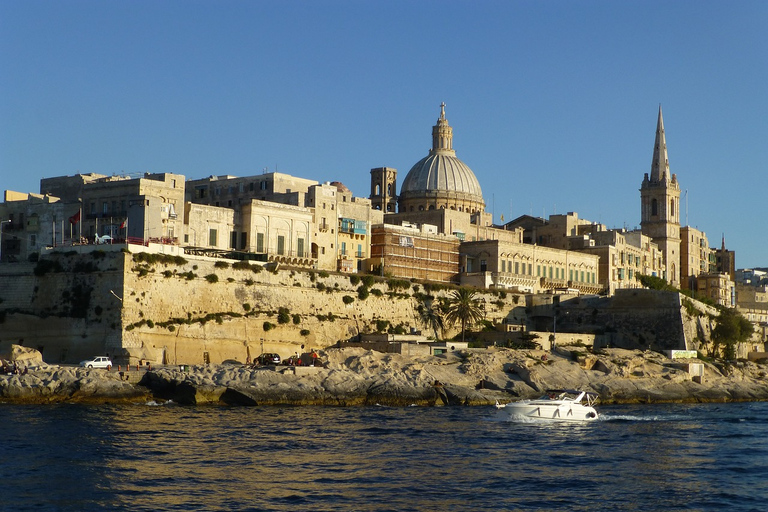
(355, 376)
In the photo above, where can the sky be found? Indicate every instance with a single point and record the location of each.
(553, 104)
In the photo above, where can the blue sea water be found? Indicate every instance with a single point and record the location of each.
(166, 457)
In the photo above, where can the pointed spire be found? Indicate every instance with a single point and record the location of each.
(442, 135)
(660, 162)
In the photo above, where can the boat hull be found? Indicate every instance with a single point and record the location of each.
(556, 412)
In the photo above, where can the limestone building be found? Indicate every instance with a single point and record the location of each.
(30, 222)
(660, 206)
(142, 206)
(384, 189)
(527, 268)
(414, 252)
(695, 256)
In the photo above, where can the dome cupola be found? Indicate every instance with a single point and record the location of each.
(440, 180)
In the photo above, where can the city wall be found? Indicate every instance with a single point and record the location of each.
(202, 309)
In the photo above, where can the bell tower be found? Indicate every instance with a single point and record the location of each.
(384, 189)
(660, 206)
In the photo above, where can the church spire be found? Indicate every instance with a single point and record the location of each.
(660, 162)
(442, 135)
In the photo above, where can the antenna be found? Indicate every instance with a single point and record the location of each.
(686, 207)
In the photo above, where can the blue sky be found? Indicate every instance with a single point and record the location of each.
(553, 103)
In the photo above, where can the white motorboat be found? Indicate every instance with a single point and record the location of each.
(556, 404)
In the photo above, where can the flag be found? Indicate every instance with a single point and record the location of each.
(123, 224)
(75, 218)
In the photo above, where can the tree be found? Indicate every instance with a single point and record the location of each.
(432, 318)
(731, 328)
(463, 307)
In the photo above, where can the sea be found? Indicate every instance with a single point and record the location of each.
(162, 456)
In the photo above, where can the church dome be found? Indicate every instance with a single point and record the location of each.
(441, 172)
(440, 180)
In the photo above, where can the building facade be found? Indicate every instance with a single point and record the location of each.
(660, 206)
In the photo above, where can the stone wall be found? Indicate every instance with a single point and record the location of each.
(196, 309)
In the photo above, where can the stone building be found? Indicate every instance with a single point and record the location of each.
(143, 207)
(695, 256)
(660, 206)
(30, 222)
(413, 251)
(717, 287)
(724, 261)
(232, 191)
(527, 268)
(384, 189)
(342, 227)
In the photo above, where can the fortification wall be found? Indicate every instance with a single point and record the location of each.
(190, 310)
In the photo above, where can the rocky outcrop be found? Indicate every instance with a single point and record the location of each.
(355, 376)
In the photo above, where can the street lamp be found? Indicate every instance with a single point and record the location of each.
(1, 237)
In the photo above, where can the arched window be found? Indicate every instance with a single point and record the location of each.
(672, 207)
(377, 192)
(654, 207)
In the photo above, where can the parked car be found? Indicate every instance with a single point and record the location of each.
(97, 362)
(268, 358)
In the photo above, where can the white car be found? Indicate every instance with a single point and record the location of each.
(97, 362)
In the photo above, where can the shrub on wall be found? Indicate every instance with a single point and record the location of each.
(304, 332)
(268, 326)
(221, 264)
(354, 279)
(347, 299)
(283, 316)
(297, 319)
(212, 278)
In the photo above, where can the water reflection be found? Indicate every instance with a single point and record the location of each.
(377, 458)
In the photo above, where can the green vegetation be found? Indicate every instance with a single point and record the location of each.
(268, 326)
(354, 279)
(212, 278)
(44, 266)
(348, 299)
(283, 316)
(731, 328)
(362, 292)
(221, 264)
(304, 332)
(165, 259)
(432, 318)
(464, 308)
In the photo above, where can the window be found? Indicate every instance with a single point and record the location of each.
(359, 251)
(343, 248)
(212, 235)
(654, 207)
(280, 245)
(503, 266)
(672, 207)
(300, 247)
(259, 242)
(233, 240)
(517, 269)
(377, 191)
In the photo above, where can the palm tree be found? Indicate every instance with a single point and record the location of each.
(463, 306)
(432, 318)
